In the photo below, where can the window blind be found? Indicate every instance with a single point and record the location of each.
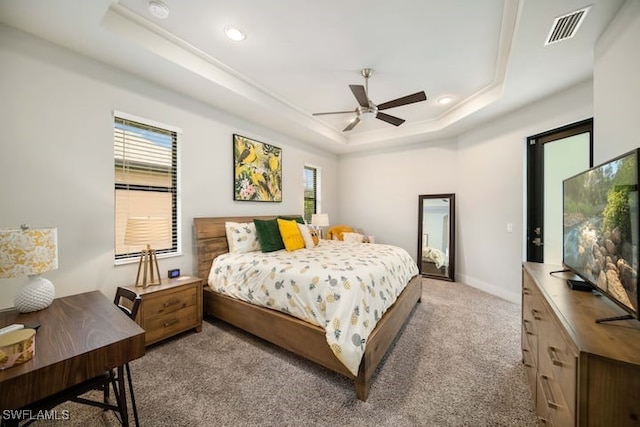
(146, 182)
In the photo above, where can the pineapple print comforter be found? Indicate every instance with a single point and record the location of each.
(344, 288)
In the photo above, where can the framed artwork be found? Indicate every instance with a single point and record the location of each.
(257, 169)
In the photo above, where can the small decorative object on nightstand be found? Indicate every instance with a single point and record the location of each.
(148, 231)
(170, 308)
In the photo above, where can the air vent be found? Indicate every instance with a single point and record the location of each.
(564, 27)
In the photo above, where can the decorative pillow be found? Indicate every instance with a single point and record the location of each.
(297, 218)
(241, 237)
(352, 237)
(309, 236)
(290, 235)
(335, 232)
(268, 234)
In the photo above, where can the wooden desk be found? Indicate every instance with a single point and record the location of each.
(80, 337)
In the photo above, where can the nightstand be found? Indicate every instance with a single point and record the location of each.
(170, 308)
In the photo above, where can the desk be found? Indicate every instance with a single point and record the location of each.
(80, 337)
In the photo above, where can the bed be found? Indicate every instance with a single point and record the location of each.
(298, 336)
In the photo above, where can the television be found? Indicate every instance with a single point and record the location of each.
(600, 230)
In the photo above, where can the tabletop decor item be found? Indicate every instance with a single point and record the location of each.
(17, 347)
(30, 252)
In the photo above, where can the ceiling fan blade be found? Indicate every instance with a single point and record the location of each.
(396, 121)
(334, 112)
(360, 94)
(409, 99)
(353, 124)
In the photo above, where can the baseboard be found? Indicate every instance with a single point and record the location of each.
(515, 297)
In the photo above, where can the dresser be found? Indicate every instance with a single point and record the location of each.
(581, 373)
(168, 309)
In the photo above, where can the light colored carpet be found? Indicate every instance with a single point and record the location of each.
(457, 362)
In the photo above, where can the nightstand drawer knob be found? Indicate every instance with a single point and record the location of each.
(170, 323)
(171, 302)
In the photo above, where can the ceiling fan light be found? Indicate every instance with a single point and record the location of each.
(158, 9)
(235, 34)
(367, 115)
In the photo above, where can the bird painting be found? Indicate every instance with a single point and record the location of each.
(257, 170)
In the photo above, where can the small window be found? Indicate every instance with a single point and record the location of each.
(310, 192)
(146, 185)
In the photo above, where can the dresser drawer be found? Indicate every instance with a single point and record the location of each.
(171, 323)
(558, 412)
(170, 302)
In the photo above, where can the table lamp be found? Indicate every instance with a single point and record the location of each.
(30, 252)
(148, 231)
(320, 220)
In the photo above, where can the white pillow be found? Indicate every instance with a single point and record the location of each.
(352, 237)
(306, 236)
(242, 237)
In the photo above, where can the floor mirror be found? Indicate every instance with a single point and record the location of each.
(436, 236)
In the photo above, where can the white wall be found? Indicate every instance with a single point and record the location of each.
(491, 190)
(379, 191)
(617, 85)
(56, 159)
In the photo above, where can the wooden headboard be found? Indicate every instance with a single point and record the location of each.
(211, 239)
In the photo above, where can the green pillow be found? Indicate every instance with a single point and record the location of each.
(297, 219)
(269, 234)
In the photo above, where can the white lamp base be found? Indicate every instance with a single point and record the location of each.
(36, 294)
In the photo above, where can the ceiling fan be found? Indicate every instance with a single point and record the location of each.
(367, 109)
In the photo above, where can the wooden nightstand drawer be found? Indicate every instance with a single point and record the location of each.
(170, 308)
(157, 328)
(165, 304)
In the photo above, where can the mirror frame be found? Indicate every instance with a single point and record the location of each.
(450, 276)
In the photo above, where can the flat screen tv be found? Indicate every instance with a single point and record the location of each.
(600, 230)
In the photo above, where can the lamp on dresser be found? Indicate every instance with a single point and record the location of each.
(30, 252)
(147, 232)
(318, 221)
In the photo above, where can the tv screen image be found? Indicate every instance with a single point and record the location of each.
(600, 228)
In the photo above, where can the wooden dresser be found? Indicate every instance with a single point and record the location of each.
(581, 373)
(170, 308)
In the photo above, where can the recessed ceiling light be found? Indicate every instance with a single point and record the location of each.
(158, 9)
(235, 34)
(444, 100)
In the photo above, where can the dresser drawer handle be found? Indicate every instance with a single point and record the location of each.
(524, 358)
(171, 302)
(544, 421)
(170, 323)
(551, 402)
(554, 356)
(525, 323)
(536, 314)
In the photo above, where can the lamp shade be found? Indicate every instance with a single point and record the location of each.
(27, 252)
(320, 220)
(152, 231)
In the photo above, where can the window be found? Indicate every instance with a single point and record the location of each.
(310, 192)
(146, 183)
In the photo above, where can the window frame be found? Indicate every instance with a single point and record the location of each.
(176, 249)
(317, 192)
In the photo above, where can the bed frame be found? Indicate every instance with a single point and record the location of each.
(286, 331)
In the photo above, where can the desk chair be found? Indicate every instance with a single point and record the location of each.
(129, 302)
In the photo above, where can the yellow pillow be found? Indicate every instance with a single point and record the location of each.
(290, 235)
